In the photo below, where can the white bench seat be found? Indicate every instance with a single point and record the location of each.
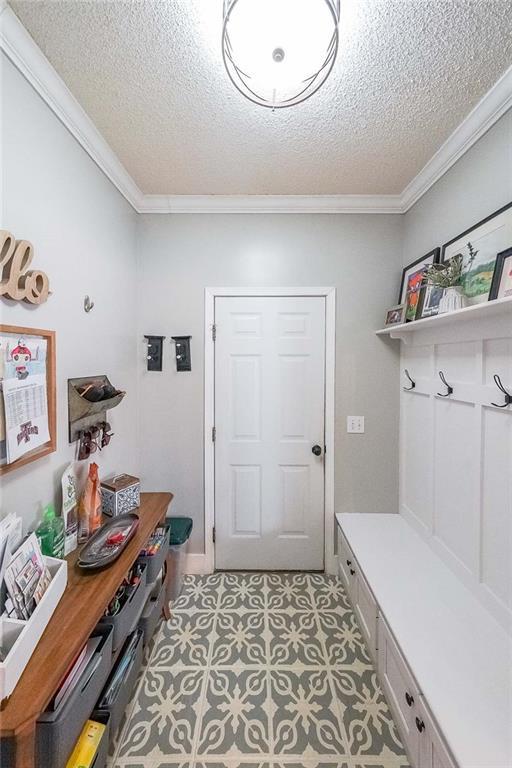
(459, 655)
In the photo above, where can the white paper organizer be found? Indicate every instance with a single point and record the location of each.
(21, 637)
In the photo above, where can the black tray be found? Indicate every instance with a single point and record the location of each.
(94, 554)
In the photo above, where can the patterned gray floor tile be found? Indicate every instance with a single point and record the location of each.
(305, 717)
(260, 671)
(343, 639)
(366, 716)
(294, 639)
(289, 591)
(235, 719)
(199, 593)
(185, 640)
(243, 591)
(239, 639)
(328, 593)
(165, 716)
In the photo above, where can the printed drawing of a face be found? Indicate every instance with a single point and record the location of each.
(21, 356)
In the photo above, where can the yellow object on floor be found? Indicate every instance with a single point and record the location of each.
(86, 746)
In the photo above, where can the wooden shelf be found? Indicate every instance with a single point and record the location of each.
(80, 608)
(476, 312)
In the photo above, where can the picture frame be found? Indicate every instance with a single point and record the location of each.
(429, 300)
(432, 257)
(488, 238)
(50, 446)
(501, 286)
(395, 315)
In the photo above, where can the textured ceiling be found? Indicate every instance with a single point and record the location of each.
(150, 76)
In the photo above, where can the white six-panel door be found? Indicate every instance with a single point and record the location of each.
(269, 414)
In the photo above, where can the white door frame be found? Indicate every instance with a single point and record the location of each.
(209, 409)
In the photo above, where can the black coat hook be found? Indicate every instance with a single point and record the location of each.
(449, 389)
(413, 383)
(508, 396)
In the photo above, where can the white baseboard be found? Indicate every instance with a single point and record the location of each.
(196, 564)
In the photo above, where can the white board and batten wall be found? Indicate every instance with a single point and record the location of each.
(456, 453)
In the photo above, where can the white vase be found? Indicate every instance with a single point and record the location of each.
(453, 298)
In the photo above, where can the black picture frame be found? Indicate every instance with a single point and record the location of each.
(501, 259)
(432, 257)
(473, 229)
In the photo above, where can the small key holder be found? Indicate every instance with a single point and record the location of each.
(183, 361)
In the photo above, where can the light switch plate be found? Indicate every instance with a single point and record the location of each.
(355, 424)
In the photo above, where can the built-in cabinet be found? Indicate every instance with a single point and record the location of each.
(424, 745)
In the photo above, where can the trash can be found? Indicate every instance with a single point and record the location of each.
(181, 528)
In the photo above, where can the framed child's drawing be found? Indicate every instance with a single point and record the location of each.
(27, 396)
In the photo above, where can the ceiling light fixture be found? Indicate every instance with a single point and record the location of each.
(278, 53)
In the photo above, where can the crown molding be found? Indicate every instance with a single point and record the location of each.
(487, 111)
(25, 54)
(270, 204)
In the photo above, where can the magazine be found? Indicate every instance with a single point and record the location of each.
(27, 577)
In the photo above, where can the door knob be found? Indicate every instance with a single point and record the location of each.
(317, 450)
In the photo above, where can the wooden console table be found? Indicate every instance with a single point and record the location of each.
(79, 610)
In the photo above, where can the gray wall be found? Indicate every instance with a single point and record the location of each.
(83, 232)
(478, 184)
(179, 255)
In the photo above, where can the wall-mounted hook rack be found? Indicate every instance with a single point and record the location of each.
(413, 383)
(448, 387)
(508, 396)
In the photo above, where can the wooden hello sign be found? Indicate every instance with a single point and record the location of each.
(18, 281)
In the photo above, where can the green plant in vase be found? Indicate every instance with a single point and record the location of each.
(451, 277)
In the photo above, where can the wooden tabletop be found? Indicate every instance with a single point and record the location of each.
(76, 615)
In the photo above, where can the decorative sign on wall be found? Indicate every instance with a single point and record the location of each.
(18, 281)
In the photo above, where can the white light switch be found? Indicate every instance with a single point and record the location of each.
(355, 424)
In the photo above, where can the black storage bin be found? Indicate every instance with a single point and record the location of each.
(151, 614)
(57, 732)
(101, 757)
(117, 707)
(154, 563)
(126, 620)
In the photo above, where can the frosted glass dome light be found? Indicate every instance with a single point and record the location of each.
(278, 53)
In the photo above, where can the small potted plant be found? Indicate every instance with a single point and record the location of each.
(450, 277)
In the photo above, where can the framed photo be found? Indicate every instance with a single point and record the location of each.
(412, 296)
(424, 261)
(501, 286)
(479, 247)
(428, 305)
(396, 315)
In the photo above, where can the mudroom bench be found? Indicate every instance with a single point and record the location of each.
(444, 662)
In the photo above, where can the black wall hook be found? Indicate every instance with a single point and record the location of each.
(508, 396)
(449, 389)
(413, 383)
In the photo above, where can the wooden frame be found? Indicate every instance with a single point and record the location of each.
(51, 389)
(501, 259)
(329, 294)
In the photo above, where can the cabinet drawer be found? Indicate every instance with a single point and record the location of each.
(401, 689)
(432, 752)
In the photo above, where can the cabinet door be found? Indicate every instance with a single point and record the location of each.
(343, 559)
(432, 753)
(400, 687)
(366, 610)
